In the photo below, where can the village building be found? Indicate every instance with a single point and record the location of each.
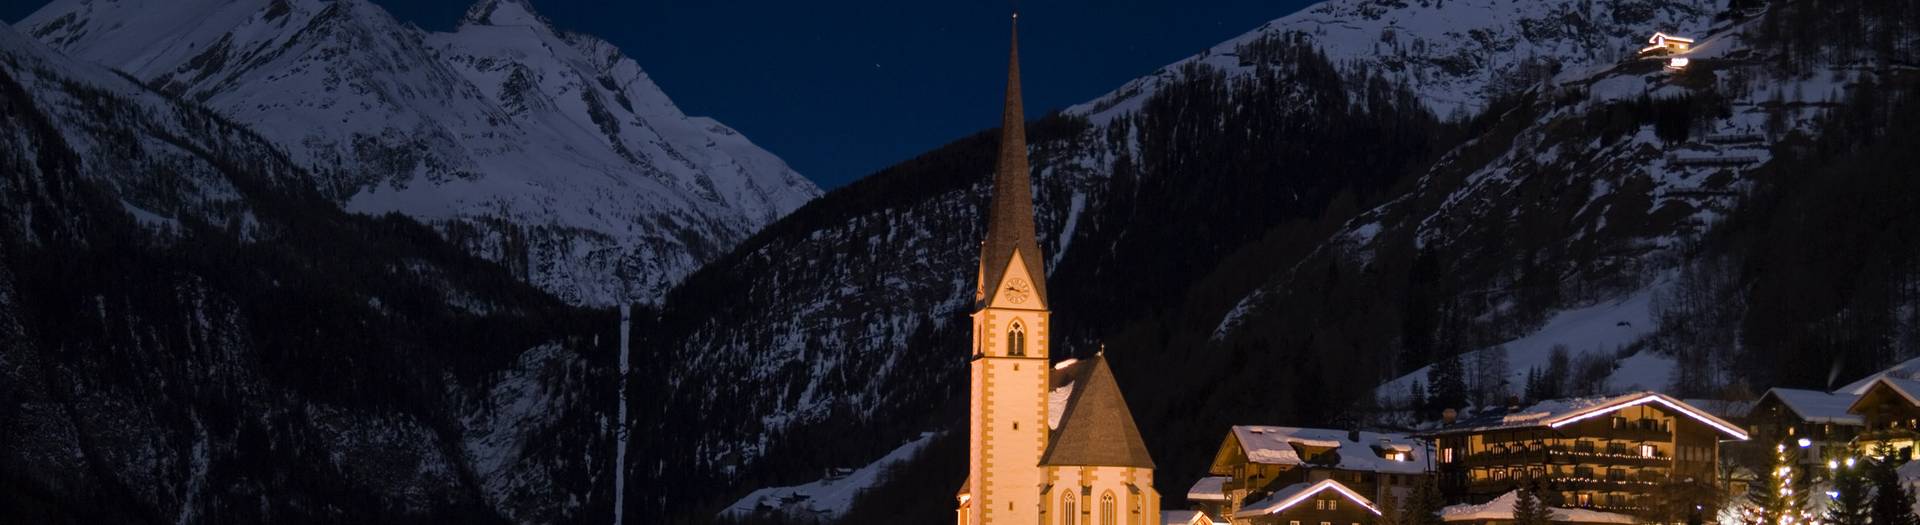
(1324, 502)
(1817, 423)
(1256, 464)
(1612, 454)
(1889, 408)
(1048, 444)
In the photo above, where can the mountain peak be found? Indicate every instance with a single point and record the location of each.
(503, 13)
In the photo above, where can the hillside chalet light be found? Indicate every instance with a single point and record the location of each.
(1804, 442)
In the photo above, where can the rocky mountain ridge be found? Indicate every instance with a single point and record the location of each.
(549, 152)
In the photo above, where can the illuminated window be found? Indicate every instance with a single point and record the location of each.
(1067, 509)
(1017, 340)
(1333, 504)
(1646, 451)
(1446, 455)
(1107, 513)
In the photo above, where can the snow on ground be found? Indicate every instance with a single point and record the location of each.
(1604, 327)
(828, 497)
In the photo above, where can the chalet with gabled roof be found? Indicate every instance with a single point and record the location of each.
(1889, 408)
(1784, 416)
(1254, 462)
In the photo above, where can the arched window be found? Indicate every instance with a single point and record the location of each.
(1017, 340)
(1067, 509)
(1108, 514)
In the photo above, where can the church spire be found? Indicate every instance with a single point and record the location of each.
(1010, 218)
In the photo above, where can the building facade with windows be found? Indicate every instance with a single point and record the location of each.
(1612, 454)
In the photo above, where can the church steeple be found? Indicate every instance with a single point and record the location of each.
(1010, 217)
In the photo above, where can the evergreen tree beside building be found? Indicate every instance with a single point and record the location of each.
(1529, 510)
(1423, 506)
(1852, 496)
(1892, 503)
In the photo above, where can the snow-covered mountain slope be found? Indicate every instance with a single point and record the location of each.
(549, 152)
(189, 330)
(1555, 226)
(1455, 55)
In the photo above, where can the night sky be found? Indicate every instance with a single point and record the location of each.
(844, 88)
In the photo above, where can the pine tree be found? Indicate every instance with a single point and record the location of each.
(1892, 504)
(1780, 497)
(1448, 386)
(1423, 506)
(1853, 494)
(1529, 510)
(1390, 512)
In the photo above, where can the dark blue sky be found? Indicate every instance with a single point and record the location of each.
(841, 89)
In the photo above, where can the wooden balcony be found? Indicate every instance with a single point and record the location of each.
(1561, 456)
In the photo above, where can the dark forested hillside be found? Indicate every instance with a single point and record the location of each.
(191, 334)
(846, 320)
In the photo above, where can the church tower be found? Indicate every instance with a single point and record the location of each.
(1051, 444)
(1008, 419)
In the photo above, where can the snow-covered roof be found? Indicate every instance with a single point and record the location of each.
(1660, 37)
(1187, 517)
(1501, 509)
(1555, 413)
(1816, 406)
(1909, 369)
(1211, 488)
(1907, 388)
(1276, 446)
(1291, 495)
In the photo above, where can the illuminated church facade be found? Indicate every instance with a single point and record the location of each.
(1049, 443)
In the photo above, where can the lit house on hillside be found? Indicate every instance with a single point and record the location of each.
(1610, 454)
(1265, 474)
(1670, 43)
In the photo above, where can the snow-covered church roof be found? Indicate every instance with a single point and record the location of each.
(1093, 425)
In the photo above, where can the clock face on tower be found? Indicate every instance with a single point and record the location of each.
(1017, 290)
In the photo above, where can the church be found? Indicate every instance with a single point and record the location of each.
(1049, 443)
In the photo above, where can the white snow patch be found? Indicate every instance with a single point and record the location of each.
(830, 496)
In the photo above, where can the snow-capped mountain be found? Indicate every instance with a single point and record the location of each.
(1455, 55)
(191, 332)
(547, 151)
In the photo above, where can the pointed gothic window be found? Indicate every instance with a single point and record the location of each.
(1067, 510)
(1107, 514)
(1017, 340)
